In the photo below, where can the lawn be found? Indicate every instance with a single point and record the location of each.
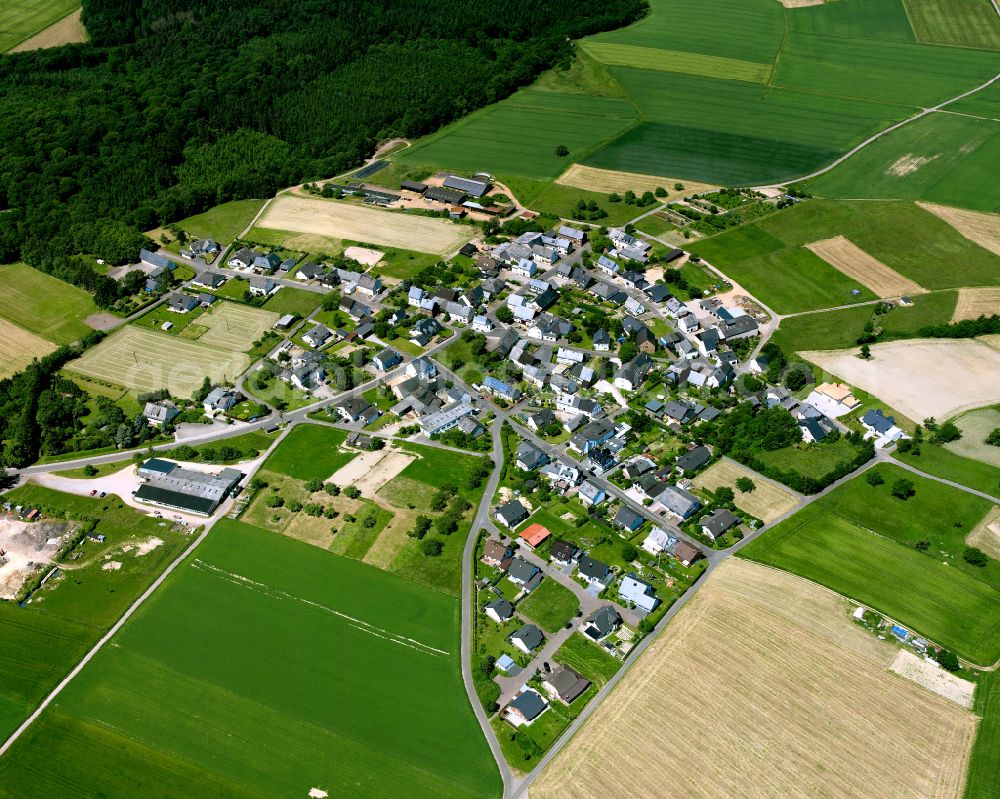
(146, 360)
(943, 158)
(934, 598)
(965, 471)
(310, 451)
(22, 19)
(42, 304)
(984, 767)
(294, 301)
(281, 394)
(960, 23)
(223, 223)
(369, 702)
(45, 639)
(551, 606)
(768, 256)
(588, 659)
(809, 460)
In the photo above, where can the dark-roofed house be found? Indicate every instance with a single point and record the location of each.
(209, 280)
(500, 610)
(601, 623)
(693, 460)
(496, 554)
(686, 553)
(565, 684)
(593, 571)
(678, 412)
(529, 457)
(386, 359)
(182, 303)
(628, 519)
(520, 571)
(525, 708)
(511, 514)
(679, 502)
(528, 638)
(563, 552)
(718, 522)
(160, 413)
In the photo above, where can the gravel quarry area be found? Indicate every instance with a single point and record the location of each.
(26, 546)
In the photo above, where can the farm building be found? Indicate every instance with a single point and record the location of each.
(170, 486)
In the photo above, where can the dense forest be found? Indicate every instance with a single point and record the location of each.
(177, 105)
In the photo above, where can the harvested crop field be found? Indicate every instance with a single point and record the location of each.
(19, 348)
(975, 426)
(369, 471)
(849, 259)
(973, 303)
(986, 534)
(607, 180)
(235, 327)
(983, 229)
(796, 700)
(68, 30)
(921, 377)
(360, 223)
(767, 501)
(146, 360)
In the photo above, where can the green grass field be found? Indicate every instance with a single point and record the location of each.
(550, 606)
(22, 19)
(942, 463)
(961, 23)
(884, 20)
(769, 259)
(294, 301)
(943, 158)
(587, 659)
(222, 223)
(44, 305)
(983, 777)
(277, 668)
(810, 460)
(45, 639)
(310, 451)
(628, 55)
(858, 540)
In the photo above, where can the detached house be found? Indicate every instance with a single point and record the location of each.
(601, 623)
(160, 413)
(511, 514)
(528, 638)
(718, 522)
(638, 593)
(594, 572)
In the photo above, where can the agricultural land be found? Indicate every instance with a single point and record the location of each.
(20, 20)
(43, 305)
(827, 670)
(768, 500)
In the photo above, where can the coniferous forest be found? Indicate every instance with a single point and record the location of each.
(177, 105)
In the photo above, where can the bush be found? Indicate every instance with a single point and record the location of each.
(724, 494)
(89, 470)
(432, 547)
(332, 489)
(352, 492)
(274, 501)
(922, 545)
(294, 506)
(313, 509)
(993, 439)
(975, 557)
(314, 485)
(629, 552)
(562, 150)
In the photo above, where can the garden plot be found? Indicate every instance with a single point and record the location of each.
(235, 327)
(343, 220)
(849, 259)
(146, 360)
(800, 701)
(766, 502)
(973, 303)
(20, 347)
(921, 377)
(983, 229)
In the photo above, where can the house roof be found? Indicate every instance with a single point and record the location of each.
(878, 421)
(605, 619)
(694, 459)
(567, 683)
(626, 517)
(719, 520)
(529, 704)
(685, 552)
(512, 512)
(593, 569)
(530, 636)
(502, 608)
(534, 534)
(563, 550)
(679, 501)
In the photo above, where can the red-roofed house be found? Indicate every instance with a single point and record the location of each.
(533, 535)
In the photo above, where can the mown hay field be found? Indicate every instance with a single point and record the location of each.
(44, 305)
(975, 426)
(278, 668)
(146, 360)
(608, 181)
(795, 700)
(983, 229)
(344, 220)
(975, 302)
(628, 55)
(22, 19)
(68, 30)
(920, 377)
(235, 327)
(845, 256)
(766, 502)
(19, 348)
(960, 23)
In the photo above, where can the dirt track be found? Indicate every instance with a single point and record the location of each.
(762, 687)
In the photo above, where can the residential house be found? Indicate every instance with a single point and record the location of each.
(307, 377)
(658, 292)
(599, 460)
(528, 638)
(638, 593)
(500, 389)
(182, 303)
(482, 324)
(682, 504)
(692, 460)
(470, 426)
(593, 435)
(525, 708)
(658, 541)
(742, 326)
(634, 307)
(263, 286)
(511, 514)
(209, 280)
(814, 430)
(594, 572)
(602, 341)
(533, 536)
(387, 359)
(500, 610)
(424, 330)
(686, 553)
(570, 403)
(718, 522)
(357, 409)
(459, 312)
(220, 399)
(628, 519)
(564, 553)
(564, 684)
(415, 296)
(606, 265)
(833, 399)
(541, 419)
(678, 412)
(318, 336)
(433, 424)
(524, 268)
(160, 413)
(601, 623)
(155, 260)
(529, 457)
(578, 237)
(422, 368)
(880, 427)
(591, 494)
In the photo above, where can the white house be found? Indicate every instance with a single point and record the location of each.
(482, 324)
(657, 541)
(638, 593)
(833, 399)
